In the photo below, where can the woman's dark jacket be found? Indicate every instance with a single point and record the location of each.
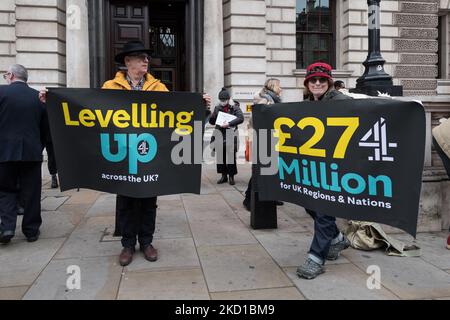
(234, 109)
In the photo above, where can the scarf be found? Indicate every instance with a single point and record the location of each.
(274, 96)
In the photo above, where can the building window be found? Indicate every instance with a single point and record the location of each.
(443, 46)
(315, 28)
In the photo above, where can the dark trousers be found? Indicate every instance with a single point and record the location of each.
(51, 162)
(248, 192)
(443, 156)
(27, 175)
(137, 220)
(222, 166)
(325, 230)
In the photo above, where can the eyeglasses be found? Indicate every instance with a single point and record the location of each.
(315, 79)
(5, 75)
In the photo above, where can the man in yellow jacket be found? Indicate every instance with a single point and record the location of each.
(136, 217)
(136, 58)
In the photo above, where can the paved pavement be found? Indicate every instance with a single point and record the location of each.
(206, 251)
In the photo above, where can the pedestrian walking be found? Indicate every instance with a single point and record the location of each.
(24, 129)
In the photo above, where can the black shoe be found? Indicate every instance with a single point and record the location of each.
(20, 211)
(54, 184)
(34, 238)
(246, 204)
(6, 236)
(232, 183)
(279, 203)
(223, 179)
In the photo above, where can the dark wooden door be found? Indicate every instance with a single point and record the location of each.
(128, 21)
(160, 26)
(165, 39)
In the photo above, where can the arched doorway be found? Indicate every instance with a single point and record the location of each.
(173, 29)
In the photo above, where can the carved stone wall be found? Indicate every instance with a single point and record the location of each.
(418, 46)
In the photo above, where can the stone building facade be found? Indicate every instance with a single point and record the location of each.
(255, 39)
(238, 44)
(261, 36)
(33, 33)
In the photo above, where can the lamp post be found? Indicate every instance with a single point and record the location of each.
(375, 78)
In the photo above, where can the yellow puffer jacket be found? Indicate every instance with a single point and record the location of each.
(442, 135)
(120, 83)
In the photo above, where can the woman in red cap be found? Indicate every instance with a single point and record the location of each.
(319, 84)
(328, 241)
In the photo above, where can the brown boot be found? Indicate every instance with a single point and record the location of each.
(126, 256)
(150, 253)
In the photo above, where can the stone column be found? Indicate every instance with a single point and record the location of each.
(281, 44)
(418, 46)
(40, 36)
(7, 36)
(245, 37)
(213, 69)
(77, 44)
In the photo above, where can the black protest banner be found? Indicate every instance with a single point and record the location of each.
(354, 159)
(133, 143)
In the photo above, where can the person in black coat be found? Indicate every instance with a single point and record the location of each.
(23, 132)
(226, 154)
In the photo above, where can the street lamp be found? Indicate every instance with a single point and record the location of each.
(375, 78)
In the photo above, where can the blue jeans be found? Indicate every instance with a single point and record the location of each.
(325, 230)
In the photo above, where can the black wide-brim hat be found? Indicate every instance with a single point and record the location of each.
(129, 48)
